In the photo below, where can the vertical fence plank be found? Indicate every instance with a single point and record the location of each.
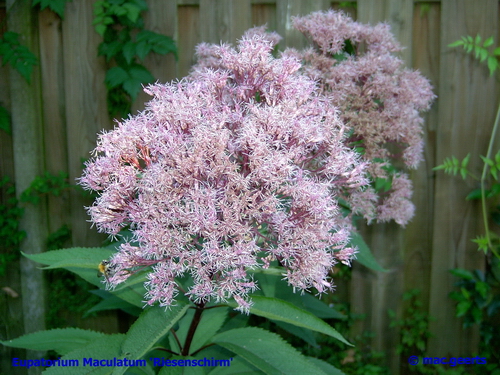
(398, 13)
(418, 234)
(264, 14)
(465, 124)
(285, 10)
(53, 101)
(189, 37)
(224, 20)
(86, 111)
(383, 290)
(28, 164)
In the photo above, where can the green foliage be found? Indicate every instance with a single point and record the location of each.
(57, 6)
(125, 42)
(480, 49)
(478, 303)
(17, 55)
(5, 120)
(219, 334)
(414, 326)
(364, 255)
(494, 164)
(476, 299)
(10, 235)
(46, 184)
(453, 166)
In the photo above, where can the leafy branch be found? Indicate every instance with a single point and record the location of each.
(57, 6)
(481, 50)
(125, 43)
(491, 164)
(17, 55)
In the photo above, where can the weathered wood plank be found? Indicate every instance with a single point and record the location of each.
(53, 101)
(285, 10)
(28, 164)
(397, 13)
(189, 37)
(224, 20)
(264, 14)
(86, 110)
(418, 234)
(465, 122)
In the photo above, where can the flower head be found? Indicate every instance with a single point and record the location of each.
(223, 171)
(379, 100)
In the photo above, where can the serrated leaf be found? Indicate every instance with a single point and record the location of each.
(112, 302)
(133, 11)
(211, 321)
(319, 308)
(132, 87)
(474, 195)
(276, 309)
(5, 120)
(456, 43)
(266, 351)
(364, 255)
(116, 76)
(461, 273)
(142, 49)
(238, 367)
(57, 6)
(492, 64)
(325, 366)
(151, 325)
(106, 348)
(61, 340)
(488, 42)
(129, 51)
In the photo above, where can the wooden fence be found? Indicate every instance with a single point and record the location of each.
(71, 110)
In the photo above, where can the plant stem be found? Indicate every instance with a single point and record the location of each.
(192, 328)
(483, 180)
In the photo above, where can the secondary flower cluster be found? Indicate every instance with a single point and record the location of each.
(224, 172)
(379, 100)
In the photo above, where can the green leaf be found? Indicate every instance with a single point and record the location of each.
(5, 120)
(276, 309)
(482, 288)
(57, 6)
(456, 43)
(364, 255)
(133, 11)
(266, 351)
(116, 76)
(61, 340)
(17, 55)
(238, 367)
(319, 308)
(152, 324)
(474, 195)
(488, 42)
(325, 366)
(105, 348)
(211, 321)
(112, 302)
(129, 51)
(462, 274)
(492, 64)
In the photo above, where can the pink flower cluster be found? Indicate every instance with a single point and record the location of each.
(379, 100)
(224, 172)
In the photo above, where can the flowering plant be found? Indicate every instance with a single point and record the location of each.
(379, 100)
(223, 172)
(242, 173)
